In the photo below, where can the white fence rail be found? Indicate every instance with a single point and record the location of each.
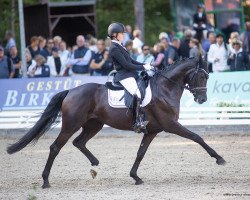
(188, 116)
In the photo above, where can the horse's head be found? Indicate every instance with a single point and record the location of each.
(197, 81)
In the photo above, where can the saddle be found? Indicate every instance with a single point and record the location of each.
(142, 83)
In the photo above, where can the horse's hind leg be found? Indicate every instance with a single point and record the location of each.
(178, 129)
(90, 129)
(147, 139)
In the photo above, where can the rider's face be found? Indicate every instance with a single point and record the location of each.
(120, 37)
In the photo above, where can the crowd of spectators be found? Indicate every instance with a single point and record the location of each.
(51, 57)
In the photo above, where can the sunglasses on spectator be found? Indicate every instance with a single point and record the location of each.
(147, 49)
(236, 44)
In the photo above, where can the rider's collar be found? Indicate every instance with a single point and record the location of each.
(118, 42)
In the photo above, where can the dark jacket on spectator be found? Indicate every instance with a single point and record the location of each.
(239, 61)
(173, 53)
(45, 53)
(34, 53)
(107, 67)
(184, 47)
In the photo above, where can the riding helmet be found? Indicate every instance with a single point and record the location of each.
(115, 28)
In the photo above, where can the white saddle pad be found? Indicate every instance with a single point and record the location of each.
(115, 101)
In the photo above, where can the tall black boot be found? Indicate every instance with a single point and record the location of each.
(139, 123)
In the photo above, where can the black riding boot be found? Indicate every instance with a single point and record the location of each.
(139, 123)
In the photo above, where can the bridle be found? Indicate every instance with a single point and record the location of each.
(192, 89)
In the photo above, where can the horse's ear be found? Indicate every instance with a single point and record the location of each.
(200, 62)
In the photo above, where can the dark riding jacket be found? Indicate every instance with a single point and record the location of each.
(125, 66)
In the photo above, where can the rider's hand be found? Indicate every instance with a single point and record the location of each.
(147, 66)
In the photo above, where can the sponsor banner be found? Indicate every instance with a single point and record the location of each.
(35, 93)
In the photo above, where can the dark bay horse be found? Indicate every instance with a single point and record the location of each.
(87, 107)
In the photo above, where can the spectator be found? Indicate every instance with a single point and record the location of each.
(6, 67)
(211, 39)
(30, 63)
(34, 48)
(10, 41)
(92, 45)
(81, 58)
(101, 63)
(107, 43)
(42, 42)
(127, 35)
(137, 43)
(63, 52)
(195, 48)
(245, 37)
(165, 42)
(145, 56)
(218, 54)
(159, 61)
(57, 40)
(131, 51)
(233, 36)
(40, 69)
(48, 50)
(17, 63)
(173, 54)
(238, 59)
(56, 63)
(184, 46)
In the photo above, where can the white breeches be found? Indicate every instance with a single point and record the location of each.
(131, 86)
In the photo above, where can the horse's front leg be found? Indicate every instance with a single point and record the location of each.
(178, 129)
(147, 138)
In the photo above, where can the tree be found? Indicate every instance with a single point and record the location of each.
(139, 16)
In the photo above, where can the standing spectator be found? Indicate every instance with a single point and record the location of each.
(17, 63)
(57, 40)
(42, 42)
(101, 63)
(63, 52)
(108, 43)
(128, 34)
(184, 46)
(163, 35)
(233, 36)
(245, 37)
(10, 41)
(40, 70)
(130, 50)
(211, 39)
(159, 61)
(195, 48)
(30, 63)
(92, 45)
(137, 43)
(56, 63)
(145, 56)
(173, 54)
(81, 58)
(238, 59)
(48, 50)
(34, 48)
(165, 42)
(6, 67)
(218, 54)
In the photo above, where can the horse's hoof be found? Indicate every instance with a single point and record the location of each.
(95, 163)
(139, 182)
(220, 161)
(46, 185)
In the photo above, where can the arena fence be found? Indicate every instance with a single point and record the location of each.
(188, 116)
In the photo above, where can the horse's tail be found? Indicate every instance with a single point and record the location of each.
(45, 122)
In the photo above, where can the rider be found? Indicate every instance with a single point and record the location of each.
(127, 69)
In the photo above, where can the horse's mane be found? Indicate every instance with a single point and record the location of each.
(173, 66)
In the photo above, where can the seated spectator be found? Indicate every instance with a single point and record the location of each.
(6, 67)
(137, 43)
(56, 63)
(173, 53)
(42, 42)
(218, 54)
(145, 56)
(57, 40)
(47, 51)
(129, 48)
(34, 48)
(238, 59)
(195, 48)
(63, 51)
(30, 63)
(17, 63)
(159, 61)
(10, 41)
(81, 58)
(101, 63)
(184, 46)
(40, 69)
